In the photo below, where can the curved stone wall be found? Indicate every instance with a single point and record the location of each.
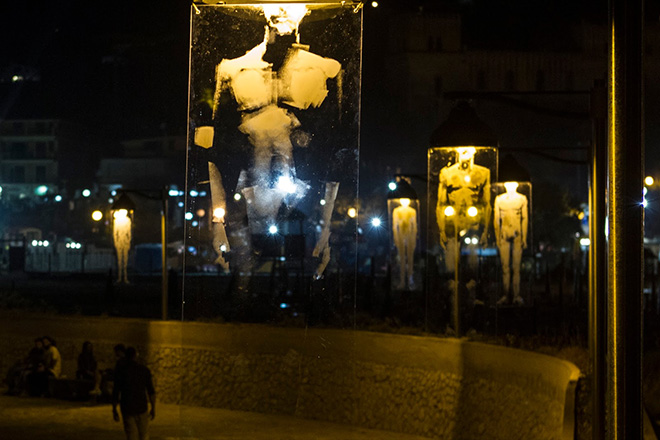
(440, 388)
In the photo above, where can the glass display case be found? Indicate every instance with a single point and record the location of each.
(272, 158)
(460, 223)
(512, 208)
(404, 226)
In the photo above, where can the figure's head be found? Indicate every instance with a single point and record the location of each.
(87, 347)
(465, 155)
(39, 343)
(405, 202)
(511, 186)
(284, 18)
(120, 351)
(48, 341)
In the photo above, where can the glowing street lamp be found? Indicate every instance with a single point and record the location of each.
(97, 216)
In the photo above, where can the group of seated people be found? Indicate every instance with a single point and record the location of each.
(31, 375)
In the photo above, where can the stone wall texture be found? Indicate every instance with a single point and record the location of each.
(439, 388)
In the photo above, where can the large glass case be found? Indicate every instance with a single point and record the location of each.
(272, 157)
(460, 225)
(512, 226)
(404, 226)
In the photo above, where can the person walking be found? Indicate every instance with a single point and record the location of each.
(133, 386)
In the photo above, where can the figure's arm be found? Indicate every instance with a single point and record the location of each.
(524, 222)
(496, 221)
(440, 208)
(116, 395)
(396, 220)
(222, 78)
(151, 392)
(413, 222)
(486, 197)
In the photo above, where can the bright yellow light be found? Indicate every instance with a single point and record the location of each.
(374, 4)
(581, 216)
(219, 213)
(449, 211)
(649, 181)
(472, 211)
(352, 212)
(467, 179)
(120, 214)
(405, 202)
(97, 216)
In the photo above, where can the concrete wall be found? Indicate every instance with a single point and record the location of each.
(440, 388)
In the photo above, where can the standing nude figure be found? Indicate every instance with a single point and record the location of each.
(404, 229)
(511, 220)
(122, 235)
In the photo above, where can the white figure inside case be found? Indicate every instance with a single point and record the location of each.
(404, 229)
(122, 234)
(511, 224)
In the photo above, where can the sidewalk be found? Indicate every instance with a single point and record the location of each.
(26, 418)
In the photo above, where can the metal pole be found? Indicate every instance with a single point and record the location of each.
(163, 236)
(457, 308)
(626, 216)
(598, 259)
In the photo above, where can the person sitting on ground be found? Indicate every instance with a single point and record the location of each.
(18, 373)
(52, 358)
(87, 368)
(37, 380)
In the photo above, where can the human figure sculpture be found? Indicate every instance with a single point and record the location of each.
(122, 235)
(266, 100)
(404, 229)
(510, 223)
(463, 202)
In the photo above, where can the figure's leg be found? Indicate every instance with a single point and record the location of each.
(515, 263)
(261, 168)
(125, 265)
(450, 254)
(284, 150)
(322, 247)
(505, 259)
(401, 251)
(120, 264)
(410, 259)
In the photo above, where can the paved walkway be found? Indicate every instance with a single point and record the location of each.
(25, 418)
